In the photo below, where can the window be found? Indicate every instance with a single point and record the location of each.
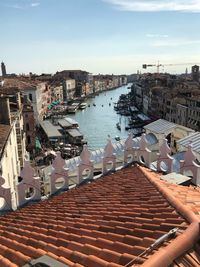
(175, 144)
(28, 139)
(31, 97)
(27, 127)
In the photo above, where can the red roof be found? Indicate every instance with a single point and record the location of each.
(105, 223)
(21, 83)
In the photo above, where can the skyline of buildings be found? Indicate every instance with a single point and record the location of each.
(146, 68)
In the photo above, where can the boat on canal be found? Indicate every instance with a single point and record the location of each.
(118, 126)
(73, 108)
(96, 122)
(83, 105)
(69, 123)
(117, 138)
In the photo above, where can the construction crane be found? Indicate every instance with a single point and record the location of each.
(145, 66)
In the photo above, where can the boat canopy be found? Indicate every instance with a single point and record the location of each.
(71, 121)
(51, 130)
(74, 133)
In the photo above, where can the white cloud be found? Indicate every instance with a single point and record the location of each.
(15, 6)
(175, 43)
(156, 5)
(152, 35)
(35, 4)
(23, 6)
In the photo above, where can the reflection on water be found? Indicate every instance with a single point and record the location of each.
(98, 121)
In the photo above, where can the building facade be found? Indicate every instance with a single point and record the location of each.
(195, 73)
(57, 92)
(193, 115)
(69, 89)
(29, 127)
(11, 110)
(9, 161)
(82, 78)
(40, 98)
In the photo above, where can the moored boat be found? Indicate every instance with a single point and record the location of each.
(117, 138)
(83, 106)
(118, 126)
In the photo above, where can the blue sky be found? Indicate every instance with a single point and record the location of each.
(100, 36)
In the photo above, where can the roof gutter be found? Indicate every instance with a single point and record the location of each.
(165, 256)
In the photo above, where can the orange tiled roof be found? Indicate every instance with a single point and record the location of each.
(21, 83)
(185, 249)
(106, 223)
(8, 90)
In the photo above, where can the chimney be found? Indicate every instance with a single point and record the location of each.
(5, 117)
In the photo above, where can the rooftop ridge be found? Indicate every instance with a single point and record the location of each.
(183, 242)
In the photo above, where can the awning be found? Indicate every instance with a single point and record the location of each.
(74, 133)
(52, 131)
(55, 103)
(160, 126)
(193, 139)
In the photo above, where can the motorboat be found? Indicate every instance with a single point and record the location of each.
(118, 126)
(83, 106)
(117, 138)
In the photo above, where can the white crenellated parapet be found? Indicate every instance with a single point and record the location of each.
(165, 161)
(59, 175)
(86, 166)
(5, 194)
(129, 150)
(109, 158)
(29, 188)
(188, 166)
(143, 153)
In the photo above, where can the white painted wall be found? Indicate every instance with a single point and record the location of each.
(37, 101)
(70, 86)
(10, 163)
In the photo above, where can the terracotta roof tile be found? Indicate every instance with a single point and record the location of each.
(107, 255)
(106, 223)
(78, 257)
(132, 240)
(93, 261)
(66, 261)
(6, 263)
(77, 265)
(113, 265)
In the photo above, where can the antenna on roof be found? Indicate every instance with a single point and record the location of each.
(171, 234)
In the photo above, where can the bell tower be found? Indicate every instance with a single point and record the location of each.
(3, 69)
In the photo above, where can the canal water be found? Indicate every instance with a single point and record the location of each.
(98, 120)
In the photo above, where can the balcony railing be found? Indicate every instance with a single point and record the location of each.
(63, 174)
